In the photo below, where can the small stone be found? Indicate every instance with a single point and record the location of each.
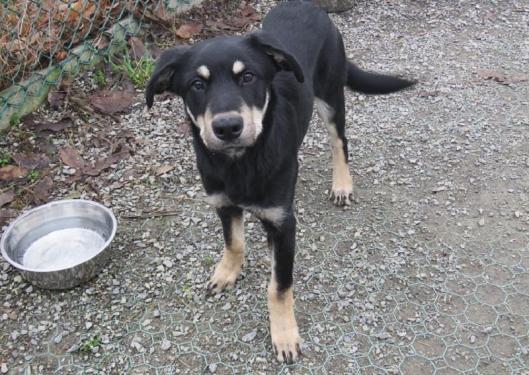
(73, 348)
(156, 313)
(146, 322)
(481, 222)
(89, 325)
(17, 279)
(226, 307)
(166, 344)
(57, 339)
(212, 368)
(3, 368)
(472, 339)
(249, 336)
(517, 214)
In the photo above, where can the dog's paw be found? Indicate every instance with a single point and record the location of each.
(225, 275)
(286, 344)
(342, 196)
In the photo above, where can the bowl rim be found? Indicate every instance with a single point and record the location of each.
(47, 205)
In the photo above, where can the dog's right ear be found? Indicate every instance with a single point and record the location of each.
(162, 77)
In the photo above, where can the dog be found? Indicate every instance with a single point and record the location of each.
(250, 99)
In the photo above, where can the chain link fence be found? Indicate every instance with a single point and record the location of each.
(43, 41)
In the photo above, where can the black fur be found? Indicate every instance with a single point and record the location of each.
(298, 55)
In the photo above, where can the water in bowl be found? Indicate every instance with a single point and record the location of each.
(63, 249)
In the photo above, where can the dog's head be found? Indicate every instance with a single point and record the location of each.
(225, 85)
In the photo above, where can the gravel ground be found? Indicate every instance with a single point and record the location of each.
(428, 272)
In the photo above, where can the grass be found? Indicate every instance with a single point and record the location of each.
(186, 289)
(90, 344)
(33, 176)
(5, 159)
(138, 71)
(15, 120)
(208, 261)
(100, 78)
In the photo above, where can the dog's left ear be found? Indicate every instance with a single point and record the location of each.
(275, 49)
(162, 77)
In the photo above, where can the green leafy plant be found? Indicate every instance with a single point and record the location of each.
(5, 159)
(208, 261)
(100, 78)
(138, 71)
(90, 344)
(187, 291)
(33, 176)
(15, 120)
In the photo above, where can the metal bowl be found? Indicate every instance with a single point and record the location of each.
(61, 244)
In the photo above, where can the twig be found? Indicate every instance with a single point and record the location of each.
(88, 109)
(150, 215)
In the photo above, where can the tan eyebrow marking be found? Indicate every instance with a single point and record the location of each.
(203, 71)
(238, 66)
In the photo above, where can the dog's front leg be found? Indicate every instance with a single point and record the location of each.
(283, 326)
(229, 267)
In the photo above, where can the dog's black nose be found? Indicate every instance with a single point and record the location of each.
(227, 128)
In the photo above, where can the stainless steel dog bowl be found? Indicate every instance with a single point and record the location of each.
(61, 244)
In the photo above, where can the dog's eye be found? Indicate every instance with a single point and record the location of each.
(198, 85)
(247, 77)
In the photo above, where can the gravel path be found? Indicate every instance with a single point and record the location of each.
(429, 272)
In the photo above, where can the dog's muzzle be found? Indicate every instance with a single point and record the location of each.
(227, 128)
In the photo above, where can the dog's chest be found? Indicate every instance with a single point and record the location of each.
(273, 214)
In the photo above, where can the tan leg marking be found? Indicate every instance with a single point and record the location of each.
(283, 325)
(342, 182)
(229, 267)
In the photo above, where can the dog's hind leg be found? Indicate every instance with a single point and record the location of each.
(332, 112)
(229, 267)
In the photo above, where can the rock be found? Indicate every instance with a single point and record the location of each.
(212, 368)
(3, 368)
(249, 336)
(166, 344)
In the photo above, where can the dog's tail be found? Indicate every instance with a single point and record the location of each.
(374, 83)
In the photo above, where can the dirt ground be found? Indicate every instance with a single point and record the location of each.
(427, 273)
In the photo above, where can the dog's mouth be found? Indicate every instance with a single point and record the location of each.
(234, 151)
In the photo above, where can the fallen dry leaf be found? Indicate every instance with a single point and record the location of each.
(71, 157)
(155, 51)
(6, 215)
(42, 190)
(104, 163)
(109, 102)
(188, 30)
(101, 42)
(6, 197)
(12, 172)
(163, 169)
(31, 160)
(137, 48)
(62, 124)
(249, 12)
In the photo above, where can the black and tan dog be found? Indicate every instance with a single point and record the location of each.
(250, 99)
